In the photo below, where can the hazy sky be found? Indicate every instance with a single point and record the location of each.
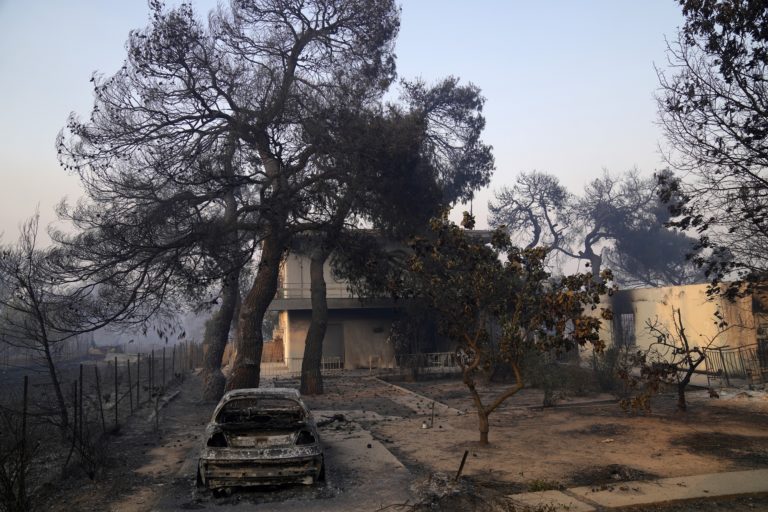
(569, 84)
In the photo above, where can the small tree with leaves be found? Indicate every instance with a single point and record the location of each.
(496, 309)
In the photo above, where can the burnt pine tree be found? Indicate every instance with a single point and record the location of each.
(258, 77)
(712, 106)
(164, 237)
(618, 220)
(394, 170)
(496, 310)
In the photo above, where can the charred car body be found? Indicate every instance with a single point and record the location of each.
(260, 436)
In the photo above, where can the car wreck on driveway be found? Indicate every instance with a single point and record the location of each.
(260, 436)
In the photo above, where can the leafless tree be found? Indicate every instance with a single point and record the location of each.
(615, 218)
(36, 312)
(671, 359)
(712, 107)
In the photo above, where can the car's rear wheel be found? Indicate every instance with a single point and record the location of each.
(199, 479)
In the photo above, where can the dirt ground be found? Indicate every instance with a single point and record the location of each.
(582, 441)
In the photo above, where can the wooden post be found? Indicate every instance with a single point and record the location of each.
(162, 386)
(98, 392)
(74, 414)
(181, 359)
(138, 379)
(80, 408)
(116, 390)
(151, 374)
(22, 495)
(461, 467)
(173, 362)
(130, 384)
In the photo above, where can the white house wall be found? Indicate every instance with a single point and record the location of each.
(698, 315)
(365, 336)
(295, 279)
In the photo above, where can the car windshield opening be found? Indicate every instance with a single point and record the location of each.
(262, 413)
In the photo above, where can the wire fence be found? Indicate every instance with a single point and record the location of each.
(68, 427)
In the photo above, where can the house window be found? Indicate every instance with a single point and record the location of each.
(624, 330)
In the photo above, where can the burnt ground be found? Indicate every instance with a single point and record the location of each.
(583, 441)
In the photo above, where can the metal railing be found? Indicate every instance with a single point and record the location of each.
(291, 367)
(430, 362)
(297, 291)
(748, 363)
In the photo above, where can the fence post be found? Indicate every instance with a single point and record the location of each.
(130, 385)
(173, 362)
(98, 391)
(138, 380)
(74, 413)
(116, 390)
(162, 386)
(151, 374)
(22, 496)
(80, 407)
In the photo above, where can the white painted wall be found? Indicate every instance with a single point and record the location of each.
(698, 314)
(296, 280)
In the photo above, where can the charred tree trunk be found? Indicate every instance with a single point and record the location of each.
(681, 404)
(218, 327)
(45, 342)
(61, 404)
(482, 416)
(215, 339)
(250, 342)
(311, 371)
(483, 426)
(595, 262)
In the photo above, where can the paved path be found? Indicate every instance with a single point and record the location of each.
(624, 494)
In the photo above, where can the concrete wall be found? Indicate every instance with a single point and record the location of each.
(698, 315)
(364, 334)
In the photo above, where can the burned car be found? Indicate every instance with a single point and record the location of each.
(260, 436)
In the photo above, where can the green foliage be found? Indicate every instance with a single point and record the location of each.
(497, 302)
(474, 292)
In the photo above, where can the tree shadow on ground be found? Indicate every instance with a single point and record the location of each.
(742, 451)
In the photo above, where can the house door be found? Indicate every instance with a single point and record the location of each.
(333, 343)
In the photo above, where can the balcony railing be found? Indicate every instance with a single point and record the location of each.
(332, 291)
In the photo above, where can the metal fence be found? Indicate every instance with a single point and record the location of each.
(432, 362)
(739, 365)
(291, 367)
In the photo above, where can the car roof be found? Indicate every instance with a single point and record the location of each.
(262, 392)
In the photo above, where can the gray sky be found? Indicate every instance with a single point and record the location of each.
(569, 84)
